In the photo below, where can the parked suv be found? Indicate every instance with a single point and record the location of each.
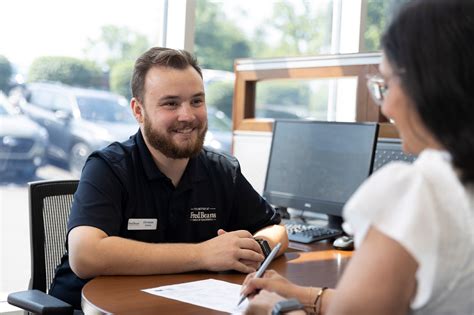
(78, 120)
(22, 143)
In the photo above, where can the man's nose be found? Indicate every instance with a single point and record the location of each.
(186, 112)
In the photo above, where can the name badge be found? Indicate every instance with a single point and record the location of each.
(142, 224)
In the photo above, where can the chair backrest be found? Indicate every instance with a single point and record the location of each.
(50, 205)
(389, 150)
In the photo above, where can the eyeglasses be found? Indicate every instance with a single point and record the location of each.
(378, 88)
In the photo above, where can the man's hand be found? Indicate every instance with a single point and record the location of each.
(235, 250)
(249, 263)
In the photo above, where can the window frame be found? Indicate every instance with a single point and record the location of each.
(250, 71)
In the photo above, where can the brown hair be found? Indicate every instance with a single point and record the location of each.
(159, 56)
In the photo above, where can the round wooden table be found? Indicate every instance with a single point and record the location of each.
(317, 264)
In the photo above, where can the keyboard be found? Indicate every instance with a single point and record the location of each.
(308, 233)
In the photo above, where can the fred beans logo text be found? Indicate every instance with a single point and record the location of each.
(202, 214)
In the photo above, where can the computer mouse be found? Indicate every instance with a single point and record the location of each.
(344, 243)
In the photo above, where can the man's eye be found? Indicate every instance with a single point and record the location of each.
(197, 102)
(170, 104)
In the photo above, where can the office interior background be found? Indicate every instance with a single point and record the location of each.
(93, 44)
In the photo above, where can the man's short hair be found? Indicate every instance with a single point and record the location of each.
(159, 56)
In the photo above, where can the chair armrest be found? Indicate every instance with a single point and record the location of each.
(39, 302)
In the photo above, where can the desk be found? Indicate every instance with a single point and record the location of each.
(317, 265)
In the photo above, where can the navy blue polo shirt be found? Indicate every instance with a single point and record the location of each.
(123, 193)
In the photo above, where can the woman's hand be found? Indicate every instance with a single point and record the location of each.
(263, 303)
(273, 282)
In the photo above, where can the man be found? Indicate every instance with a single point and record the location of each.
(159, 203)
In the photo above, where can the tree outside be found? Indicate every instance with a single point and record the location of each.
(378, 13)
(217, 40)
(296, 28)
(67, 70)
(120, 78)
(115, 44)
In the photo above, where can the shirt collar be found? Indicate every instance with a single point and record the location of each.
(151, 170)
(195, 171)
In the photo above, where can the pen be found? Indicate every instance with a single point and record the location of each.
(263, 267)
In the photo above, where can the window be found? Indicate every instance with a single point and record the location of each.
(231, 30)
(227, 30)
(305, 99)
(88, 43)
(101, 44)
(376, 15)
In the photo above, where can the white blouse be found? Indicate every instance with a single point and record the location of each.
(425, 208)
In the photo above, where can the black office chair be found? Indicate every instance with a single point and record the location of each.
(50, 204)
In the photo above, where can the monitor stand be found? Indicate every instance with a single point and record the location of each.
(335, 222)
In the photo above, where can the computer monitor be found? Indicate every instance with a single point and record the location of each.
(316, 165)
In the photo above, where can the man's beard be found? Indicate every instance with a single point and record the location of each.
(164, 143)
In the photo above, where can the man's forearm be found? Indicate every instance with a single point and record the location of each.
(274, 234)
(128, 257)
(92, 255)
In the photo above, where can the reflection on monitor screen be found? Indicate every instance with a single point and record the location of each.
(316, 166)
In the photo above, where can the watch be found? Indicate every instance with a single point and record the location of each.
(286, 306)
(264, 246)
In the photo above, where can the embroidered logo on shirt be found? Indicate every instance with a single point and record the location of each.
(202, 214)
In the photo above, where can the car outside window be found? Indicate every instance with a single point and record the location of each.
(61, 102)
(100, 109)
(42, 98)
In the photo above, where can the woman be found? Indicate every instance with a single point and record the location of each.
(413, 224)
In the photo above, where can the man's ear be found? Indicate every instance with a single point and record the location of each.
(137, 109)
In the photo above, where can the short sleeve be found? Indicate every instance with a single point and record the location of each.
(399, 202)
(97, 201)
(250, 209)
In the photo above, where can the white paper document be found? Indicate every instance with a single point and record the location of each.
(211, 293)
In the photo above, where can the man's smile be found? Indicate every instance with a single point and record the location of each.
(184, 130)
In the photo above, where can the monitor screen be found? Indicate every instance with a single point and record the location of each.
(317, 165)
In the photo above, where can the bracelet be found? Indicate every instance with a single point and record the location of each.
(310, 308)
(315, 308)
(318, 301)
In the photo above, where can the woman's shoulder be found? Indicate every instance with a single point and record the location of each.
(401, 187)
(430, 167)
